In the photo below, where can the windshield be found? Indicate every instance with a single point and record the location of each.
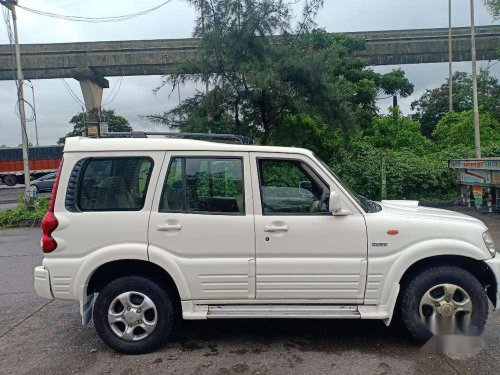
(366, 204)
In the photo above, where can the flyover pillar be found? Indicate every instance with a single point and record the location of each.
(92, 86)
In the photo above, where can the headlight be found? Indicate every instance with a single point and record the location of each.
(489, 242)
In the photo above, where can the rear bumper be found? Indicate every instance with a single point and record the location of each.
(494, 265)
(42, 282)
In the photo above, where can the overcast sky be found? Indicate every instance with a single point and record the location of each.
(175, 20)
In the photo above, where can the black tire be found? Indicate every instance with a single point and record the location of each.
(10, 180)
(164, 306)
(425, 280)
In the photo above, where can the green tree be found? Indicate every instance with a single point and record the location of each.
(494, 8)
(408, 175)
(433, 104)
(457, 129)
(258, 81)
(309, 132)
(397, 132)
(115, 124)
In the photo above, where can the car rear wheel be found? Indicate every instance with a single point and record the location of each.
(445, 300)
(133, 315)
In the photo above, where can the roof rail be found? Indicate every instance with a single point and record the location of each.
(212, 137)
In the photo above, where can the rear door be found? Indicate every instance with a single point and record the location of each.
(106, 202)
(202, 219)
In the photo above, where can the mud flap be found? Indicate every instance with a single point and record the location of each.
(86, 308)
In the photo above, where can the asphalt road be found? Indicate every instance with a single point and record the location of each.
(10, 194)
(39, 336)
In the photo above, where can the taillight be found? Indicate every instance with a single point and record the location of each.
(49, 222)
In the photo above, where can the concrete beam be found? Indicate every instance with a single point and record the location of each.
(156, 57)
(89, 74)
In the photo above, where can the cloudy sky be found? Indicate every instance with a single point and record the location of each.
(175, 20)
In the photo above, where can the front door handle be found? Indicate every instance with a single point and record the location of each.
(168, 227)
(276, 228)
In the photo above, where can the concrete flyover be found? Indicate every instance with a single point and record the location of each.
(156, 57)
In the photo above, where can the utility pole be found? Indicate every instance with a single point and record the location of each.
(450, 61)
(11, 5)
(34, 112)
(477, 134)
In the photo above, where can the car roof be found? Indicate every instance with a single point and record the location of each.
(84, 144)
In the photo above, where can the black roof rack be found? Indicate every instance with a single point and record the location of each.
(212, 137)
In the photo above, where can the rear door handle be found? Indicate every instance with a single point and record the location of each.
(276, 228)
(168, 227)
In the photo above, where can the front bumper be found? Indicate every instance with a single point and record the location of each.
(494, 265)
(42, 282)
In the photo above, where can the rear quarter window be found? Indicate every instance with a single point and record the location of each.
(113, 184)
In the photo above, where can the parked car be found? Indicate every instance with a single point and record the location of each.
(144, 231)
(44, 183)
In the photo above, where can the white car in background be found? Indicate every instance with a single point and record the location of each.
(144, 231)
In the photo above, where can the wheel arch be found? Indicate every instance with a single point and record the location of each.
(478, 268)
(112, 270)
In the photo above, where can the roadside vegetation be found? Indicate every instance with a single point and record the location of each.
(21, 215)
(305, 89)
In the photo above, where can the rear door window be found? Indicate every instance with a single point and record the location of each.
(204, 185)
(114, 184)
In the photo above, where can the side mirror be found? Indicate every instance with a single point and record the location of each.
(335, 205)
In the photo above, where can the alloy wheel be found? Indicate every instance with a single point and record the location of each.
(132, 316)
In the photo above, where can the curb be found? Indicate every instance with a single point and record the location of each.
(24, 224)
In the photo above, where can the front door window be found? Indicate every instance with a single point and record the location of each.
(291, 187)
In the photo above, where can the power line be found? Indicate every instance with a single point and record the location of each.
(72, 93)
(94, 19)
(119, 85)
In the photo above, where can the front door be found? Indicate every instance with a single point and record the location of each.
(203, 222)
(303, 252)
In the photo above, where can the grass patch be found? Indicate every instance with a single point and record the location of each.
(11, 218)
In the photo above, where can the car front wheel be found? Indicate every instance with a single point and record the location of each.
(444, 300)
(133, 315)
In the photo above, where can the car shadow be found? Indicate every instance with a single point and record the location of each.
(329, 336)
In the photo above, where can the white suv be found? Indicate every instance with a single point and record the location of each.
(142, 231)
